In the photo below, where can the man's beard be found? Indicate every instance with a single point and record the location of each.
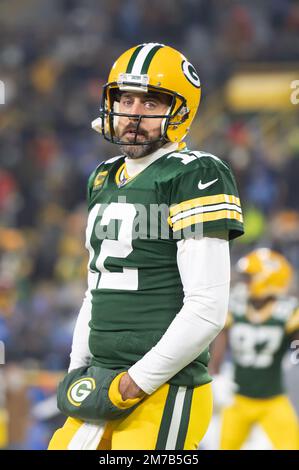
(140, 150)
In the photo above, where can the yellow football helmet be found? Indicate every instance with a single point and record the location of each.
(270, 274)
(146, 68)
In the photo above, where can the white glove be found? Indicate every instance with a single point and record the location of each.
(223, 391)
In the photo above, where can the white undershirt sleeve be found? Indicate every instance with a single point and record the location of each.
(204, 267)
(80, 354)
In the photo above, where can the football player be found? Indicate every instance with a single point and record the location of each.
(258, 331)
(160, 220)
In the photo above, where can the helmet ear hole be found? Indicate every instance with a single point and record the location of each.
(185, 116)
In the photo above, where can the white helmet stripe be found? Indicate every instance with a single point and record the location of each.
(141, 57)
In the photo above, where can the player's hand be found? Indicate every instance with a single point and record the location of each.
(129, 389)
(92, 394)
(224, 390)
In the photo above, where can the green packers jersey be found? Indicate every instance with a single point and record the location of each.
(258, 347)
(133, 228)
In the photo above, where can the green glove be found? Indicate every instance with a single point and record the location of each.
(83, 394)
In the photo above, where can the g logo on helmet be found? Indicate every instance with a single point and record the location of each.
(80, 390)
(190, 73)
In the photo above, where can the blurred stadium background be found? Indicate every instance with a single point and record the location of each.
(54, 57)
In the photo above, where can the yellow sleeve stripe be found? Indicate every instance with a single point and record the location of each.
(202, 201)
(206, 217)
(202, 209)
(293, 322)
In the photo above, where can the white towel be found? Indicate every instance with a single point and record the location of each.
(87, 437)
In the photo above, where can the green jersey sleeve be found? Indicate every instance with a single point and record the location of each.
(90, 185)
(96, 180)
(205, 200)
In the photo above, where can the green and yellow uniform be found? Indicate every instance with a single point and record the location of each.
(258, 342)
(136, 286)
(136, 290)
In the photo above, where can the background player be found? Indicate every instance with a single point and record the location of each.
(260, 327)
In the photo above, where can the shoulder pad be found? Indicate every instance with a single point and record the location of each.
(112, 160)
(187, 160)
(284, 308)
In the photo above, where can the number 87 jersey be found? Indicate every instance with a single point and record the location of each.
(258, 341)
(133, 228)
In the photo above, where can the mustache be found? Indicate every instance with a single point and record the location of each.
(134, 129)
